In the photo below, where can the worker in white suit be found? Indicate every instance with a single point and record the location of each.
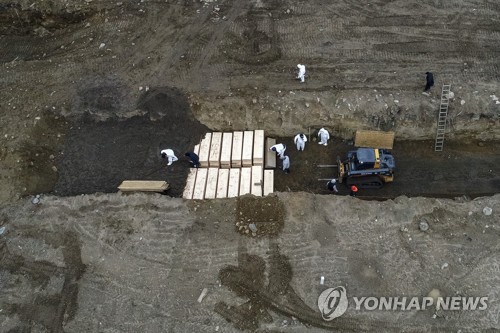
(286, 164)
(300, 140)
(279, 149)
(324, 136)
(302, 73)
(170, 155)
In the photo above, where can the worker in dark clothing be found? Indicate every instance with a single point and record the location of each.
(332, 186)
(195, 160)
(429, 81)
(354, 191)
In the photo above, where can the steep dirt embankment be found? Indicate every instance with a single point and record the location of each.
(472, 115)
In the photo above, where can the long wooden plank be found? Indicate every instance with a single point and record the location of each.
(201, 181)
(374, 139)
(211, 188)
(215, 146)
(234, 183)
(268, 182)
(222, 183)
(237, 149)
(258, 147)
(246, 156)
(143, 186)
(257, 180)
(227, 146)
(205, 150)
(270, 155)
(190, 183)
(245, 181)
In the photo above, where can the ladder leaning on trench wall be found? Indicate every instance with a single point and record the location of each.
(443, 114)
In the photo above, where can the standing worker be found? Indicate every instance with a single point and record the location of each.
(332, 185)
(194, 159)
(354, 191)
(279, 149)
(286, 164)
(300, 140)
(169, 154)
(302, 73)
(324, 136)
(429, 80)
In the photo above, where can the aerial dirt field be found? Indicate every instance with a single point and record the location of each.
(91, 92)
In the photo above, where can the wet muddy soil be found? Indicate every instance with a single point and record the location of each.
(98, 156)
(461, 169)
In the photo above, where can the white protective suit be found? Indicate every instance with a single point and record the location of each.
(302, 73)
(300, 140)
(170, 155)
(324, 136)
(279, 149)
(286, 163)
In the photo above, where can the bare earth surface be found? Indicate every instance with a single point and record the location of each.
(138, 263)
(92, 90)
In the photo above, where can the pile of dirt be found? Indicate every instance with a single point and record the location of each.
(99, 155)
(259, 216)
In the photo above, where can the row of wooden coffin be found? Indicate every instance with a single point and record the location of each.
(231, 150)
(212, 183)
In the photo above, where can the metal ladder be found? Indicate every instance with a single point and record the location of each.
(443, 113)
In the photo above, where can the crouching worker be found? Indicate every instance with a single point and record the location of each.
(332, 186)
(170, 155)
(279, 149)
(194, 159)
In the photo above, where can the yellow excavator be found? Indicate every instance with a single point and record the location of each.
(371, 165)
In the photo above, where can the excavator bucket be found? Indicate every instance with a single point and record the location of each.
(374, 139)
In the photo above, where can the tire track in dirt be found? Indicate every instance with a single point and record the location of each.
(412, 42)
(49, 310)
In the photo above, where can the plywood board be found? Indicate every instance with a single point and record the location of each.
(143, 186)
(201, 182)
(190, 182)
(227, 146)
(211, 188)
(270, 155)
(268, 182)
(257, 181)
(237, 149)
(246, 156)
(205, 150)
(215, 146)
(234, 183)
(222, 183)
(245, 181)
(374, 139)
(258, 147)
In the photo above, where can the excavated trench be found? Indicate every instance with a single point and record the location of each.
(99, 155)
(96, 156)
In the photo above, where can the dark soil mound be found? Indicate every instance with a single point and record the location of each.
(98, 156)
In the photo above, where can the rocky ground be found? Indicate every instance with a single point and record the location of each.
(92, 90)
